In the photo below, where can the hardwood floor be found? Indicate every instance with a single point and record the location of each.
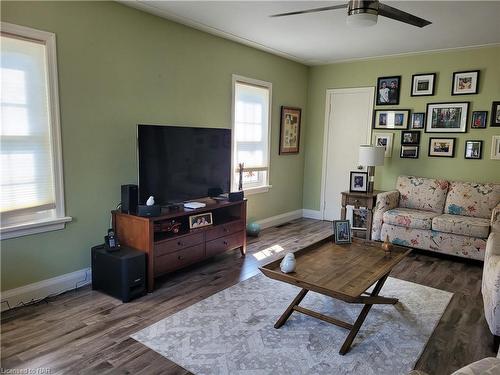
(86, 331)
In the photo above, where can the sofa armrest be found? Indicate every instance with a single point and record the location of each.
(490, 286)
(385, 201)
(495, 219)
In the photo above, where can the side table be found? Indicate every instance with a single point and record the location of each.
(356, 199)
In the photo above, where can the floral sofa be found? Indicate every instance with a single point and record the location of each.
(449, 217)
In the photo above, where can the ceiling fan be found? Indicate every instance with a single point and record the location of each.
(366, 12)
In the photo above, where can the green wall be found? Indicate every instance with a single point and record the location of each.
(365, 73)
(119, 67)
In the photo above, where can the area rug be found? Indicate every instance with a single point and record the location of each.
(232, 332)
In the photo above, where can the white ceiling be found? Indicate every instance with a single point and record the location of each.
(321, 38)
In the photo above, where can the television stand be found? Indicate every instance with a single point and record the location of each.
(167, 252)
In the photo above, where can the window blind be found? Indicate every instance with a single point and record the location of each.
(26, 170)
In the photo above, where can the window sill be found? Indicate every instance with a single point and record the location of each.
(34, 227)
(257, 190)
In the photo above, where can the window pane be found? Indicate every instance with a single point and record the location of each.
(26, 169)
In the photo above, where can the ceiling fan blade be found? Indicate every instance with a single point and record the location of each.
(399, 15)
(314, 10)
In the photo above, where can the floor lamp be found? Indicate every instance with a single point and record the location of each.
(371, 156)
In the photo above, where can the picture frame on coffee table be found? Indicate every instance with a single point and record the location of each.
(473, 149)
(423, 84)
(447, 117)
(342, 231)
(442, 147)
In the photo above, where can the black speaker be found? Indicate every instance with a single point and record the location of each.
(236, 196)
(121, 274)
(130, 198)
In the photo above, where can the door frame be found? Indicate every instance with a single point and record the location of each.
(326, 134)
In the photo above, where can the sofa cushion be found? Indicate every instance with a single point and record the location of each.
(471, 199)
(463, 225)
(421, 193)
(407, 217)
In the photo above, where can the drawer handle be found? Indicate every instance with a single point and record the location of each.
(179, 243)
(180, 257)
(225, 243)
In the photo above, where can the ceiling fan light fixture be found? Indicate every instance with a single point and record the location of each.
(362, 19)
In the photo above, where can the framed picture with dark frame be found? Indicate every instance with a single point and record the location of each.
(442, 147)
(417, 120)
(473, 149)
(409, 152)
(423, 84)
(200, 220)
(465, 83)
(495, 114)
(410, 137)
(479, 120)
(359, 182)
(391, 118)
(388, 89)
(447, 117)
(342, 231)
(290, 130)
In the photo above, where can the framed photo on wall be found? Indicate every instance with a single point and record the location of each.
(388, 90)
(465, 83)
(409, 152)
(447, 117)
(495, 147)
(473, 149)
(391, 119)
(359, 182)
(423, 84)
(479, 119)
(410, 137)
(442, 147)
(417, 120)
(290, 130)
(384, 139)
(495, 114)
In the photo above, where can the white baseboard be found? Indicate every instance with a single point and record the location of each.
(279, 219)
(312, 214)
(37, 291)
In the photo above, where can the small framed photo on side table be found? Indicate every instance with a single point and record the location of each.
(359, 182)
(201, 220)
(342, 231)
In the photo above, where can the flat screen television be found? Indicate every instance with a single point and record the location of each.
(178, 164)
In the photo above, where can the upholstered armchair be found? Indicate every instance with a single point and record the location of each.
(490, 287)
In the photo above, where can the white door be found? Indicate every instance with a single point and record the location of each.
(348, 125)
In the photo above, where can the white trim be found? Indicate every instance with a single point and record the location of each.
(269, 86)
(37, 291)
(328, 107)
(55, 133)
(26, 229)
(280, 219)
(257, 190)
(312, 214)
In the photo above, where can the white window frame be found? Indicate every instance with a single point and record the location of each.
(32, 226)
(268, 85)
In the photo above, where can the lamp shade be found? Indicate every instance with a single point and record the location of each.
(371, 156)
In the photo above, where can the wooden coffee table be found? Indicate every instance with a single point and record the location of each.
(343, 272)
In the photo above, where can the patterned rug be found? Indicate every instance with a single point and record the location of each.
(232, 332)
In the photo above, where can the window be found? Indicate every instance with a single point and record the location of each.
(251, 133)
(31, 188)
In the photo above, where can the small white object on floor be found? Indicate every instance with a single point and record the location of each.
(194, 205)
(288, 263)
(150, 201)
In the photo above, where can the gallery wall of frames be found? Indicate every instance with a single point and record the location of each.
(440, 120)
